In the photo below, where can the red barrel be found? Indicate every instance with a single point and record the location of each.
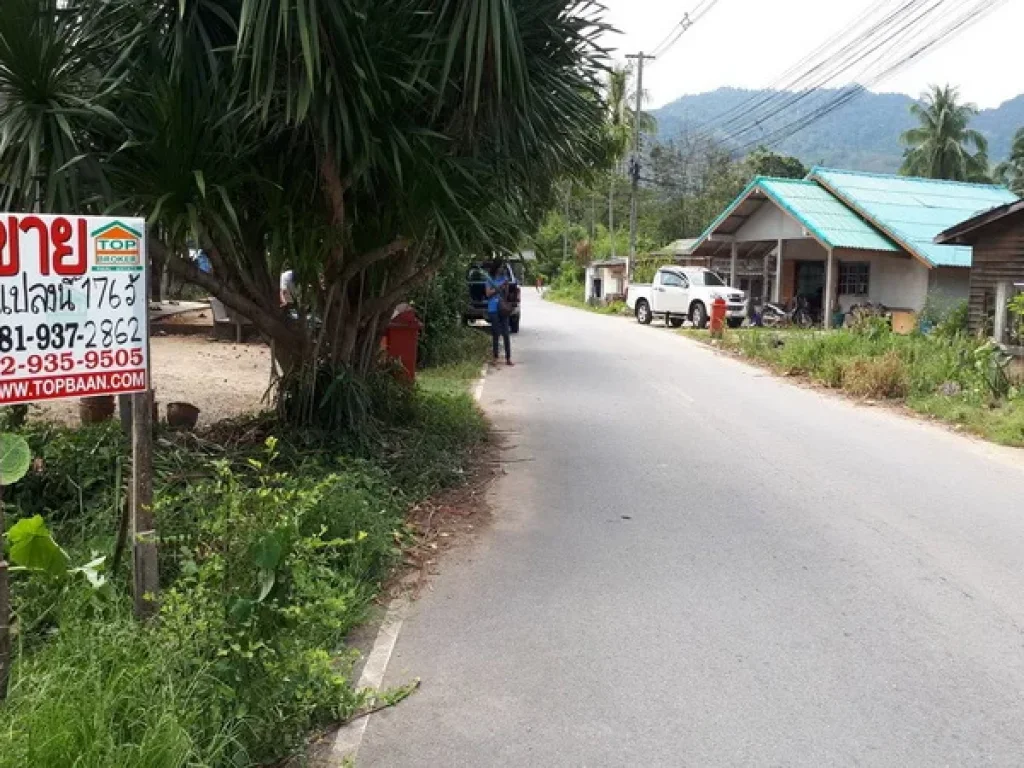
(401, 340)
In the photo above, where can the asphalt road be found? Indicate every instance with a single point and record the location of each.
(696, 564)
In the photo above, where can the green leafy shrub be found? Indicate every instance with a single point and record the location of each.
(439, 305)
(953, 322)
(77, 483)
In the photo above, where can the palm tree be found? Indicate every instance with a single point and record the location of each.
(1011, 172)
(943, 145)
(620, 98)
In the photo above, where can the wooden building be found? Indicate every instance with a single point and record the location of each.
(997, 274)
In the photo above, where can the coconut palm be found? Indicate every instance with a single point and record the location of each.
(943, 145)
(1011, 171)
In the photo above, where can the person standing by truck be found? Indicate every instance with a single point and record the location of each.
(498, 310)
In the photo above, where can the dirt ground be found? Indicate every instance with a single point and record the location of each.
(222, 379)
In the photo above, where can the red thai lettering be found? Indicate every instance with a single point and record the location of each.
(8, 258)
(34, 222)
(61, 232)
(63, 246)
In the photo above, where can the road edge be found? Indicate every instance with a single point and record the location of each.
(349, 738)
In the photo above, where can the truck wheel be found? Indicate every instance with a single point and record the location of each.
(675, 322)
(643, 313)
(735, 322)
(699, 315)
(513, 324)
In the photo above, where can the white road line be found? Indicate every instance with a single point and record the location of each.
(673, 390)
(478, 390)
(350, 737)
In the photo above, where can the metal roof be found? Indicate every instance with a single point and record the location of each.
(677, 248)
(817, 210)
(968, 232)
(914, 211)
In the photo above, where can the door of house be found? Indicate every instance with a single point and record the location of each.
(810, 283)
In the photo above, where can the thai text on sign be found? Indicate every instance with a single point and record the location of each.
(73, 307)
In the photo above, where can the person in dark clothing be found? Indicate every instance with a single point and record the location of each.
(497, 289)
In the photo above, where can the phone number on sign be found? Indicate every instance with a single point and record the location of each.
(92, 335)
(53, 362)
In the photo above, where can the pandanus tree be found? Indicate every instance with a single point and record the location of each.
(356, 142)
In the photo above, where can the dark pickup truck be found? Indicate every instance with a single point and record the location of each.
(476, 308)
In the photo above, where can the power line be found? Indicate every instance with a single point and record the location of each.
(852, 53)
(921, 45)
(689, 19)
(786, 81)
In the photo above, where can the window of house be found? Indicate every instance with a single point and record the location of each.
(853, 278)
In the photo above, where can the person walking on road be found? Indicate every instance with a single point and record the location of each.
(498, 310)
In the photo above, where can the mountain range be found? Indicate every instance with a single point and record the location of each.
(861, 135)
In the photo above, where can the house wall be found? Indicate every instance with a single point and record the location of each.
(895, 280)
(769, 223)
(948, 286)
(898, 282)
(614, 281)
(998, 257)
(588, 283)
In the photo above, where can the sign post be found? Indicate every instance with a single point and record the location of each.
(74, 322)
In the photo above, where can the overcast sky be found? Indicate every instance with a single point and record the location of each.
(748, 43)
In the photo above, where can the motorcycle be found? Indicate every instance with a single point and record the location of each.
(797, 314)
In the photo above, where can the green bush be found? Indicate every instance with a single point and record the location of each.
(77, 483)
(440, 305)
(953, 322)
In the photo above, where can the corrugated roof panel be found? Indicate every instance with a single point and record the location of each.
(914, 211)
(824, 215)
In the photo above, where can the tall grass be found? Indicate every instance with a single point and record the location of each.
(948, 376)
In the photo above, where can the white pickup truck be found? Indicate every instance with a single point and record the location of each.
(679, 294)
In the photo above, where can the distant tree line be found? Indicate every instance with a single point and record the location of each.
(688, 181)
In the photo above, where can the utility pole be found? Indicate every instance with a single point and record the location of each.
(634, 163)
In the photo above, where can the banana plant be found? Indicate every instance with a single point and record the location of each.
(15, 460)
(29, 547)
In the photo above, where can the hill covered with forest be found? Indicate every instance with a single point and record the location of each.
(862, 134)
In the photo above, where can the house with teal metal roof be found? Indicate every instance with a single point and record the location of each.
(841, 238)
